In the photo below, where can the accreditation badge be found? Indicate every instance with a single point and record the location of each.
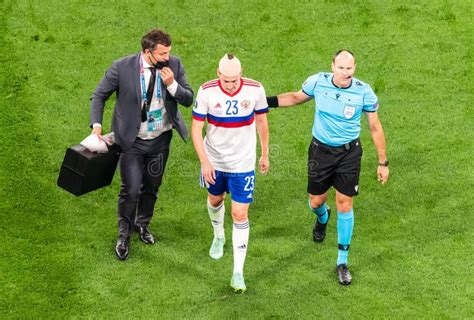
(155, 120)
(349, 111)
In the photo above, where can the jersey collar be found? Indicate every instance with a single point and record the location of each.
(231, 94)
(350, 85)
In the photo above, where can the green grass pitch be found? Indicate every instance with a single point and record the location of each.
(411, 254)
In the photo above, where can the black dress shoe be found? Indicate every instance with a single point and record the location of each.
(121, 248)
(146, 236)
(319, 229)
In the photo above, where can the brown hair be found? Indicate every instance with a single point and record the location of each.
(154, 37)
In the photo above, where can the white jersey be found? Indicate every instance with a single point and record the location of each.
(231, 139)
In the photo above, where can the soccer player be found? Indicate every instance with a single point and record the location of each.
(335, 151)
(234, 106)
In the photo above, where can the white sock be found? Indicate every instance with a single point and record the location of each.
(216, 214)
(240, 238)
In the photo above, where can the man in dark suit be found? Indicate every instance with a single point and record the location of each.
(148, 87)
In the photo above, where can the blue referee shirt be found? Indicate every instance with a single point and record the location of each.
(338, 111)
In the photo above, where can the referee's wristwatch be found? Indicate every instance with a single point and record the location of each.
(384, 164)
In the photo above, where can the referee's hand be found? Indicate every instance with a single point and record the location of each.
(382, 174)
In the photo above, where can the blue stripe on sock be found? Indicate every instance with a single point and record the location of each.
(345, 225)
(243, 225)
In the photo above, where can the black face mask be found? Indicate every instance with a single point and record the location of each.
(161, 65)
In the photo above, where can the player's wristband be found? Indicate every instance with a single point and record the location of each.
(272, 101)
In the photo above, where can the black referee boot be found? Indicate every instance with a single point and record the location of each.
(319, 229)
(344, 275)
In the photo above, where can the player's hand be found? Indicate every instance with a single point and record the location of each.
(382, 174)
(264, 165)
(167, 76)
(208, 172)
(97, 131)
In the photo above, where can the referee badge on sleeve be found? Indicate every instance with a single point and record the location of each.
(349, 111)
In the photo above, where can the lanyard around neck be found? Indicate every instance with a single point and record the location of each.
(142, 81)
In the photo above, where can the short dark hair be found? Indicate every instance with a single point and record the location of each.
(341, 51)
(154, 37)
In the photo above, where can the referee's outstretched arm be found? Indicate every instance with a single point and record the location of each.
(288, 99)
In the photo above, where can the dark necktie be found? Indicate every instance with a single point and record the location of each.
(149, 94)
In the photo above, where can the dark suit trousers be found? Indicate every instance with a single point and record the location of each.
(141, 168)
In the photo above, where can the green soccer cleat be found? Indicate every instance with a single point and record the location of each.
(217, 248)
(237, 283)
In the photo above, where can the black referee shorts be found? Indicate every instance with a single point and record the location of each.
(334, 166)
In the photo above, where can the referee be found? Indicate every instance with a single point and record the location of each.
(335, 152)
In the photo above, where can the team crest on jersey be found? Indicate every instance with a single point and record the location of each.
(245, 104)
(349, 111)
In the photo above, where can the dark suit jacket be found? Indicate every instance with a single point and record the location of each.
(123, 77)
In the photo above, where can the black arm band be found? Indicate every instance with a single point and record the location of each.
(272, 101)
